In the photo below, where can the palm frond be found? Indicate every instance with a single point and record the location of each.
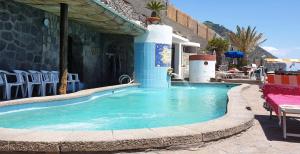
(246, 39)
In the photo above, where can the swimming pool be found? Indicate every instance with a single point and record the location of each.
(126, 108)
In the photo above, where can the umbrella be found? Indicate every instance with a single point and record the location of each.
(234, 54)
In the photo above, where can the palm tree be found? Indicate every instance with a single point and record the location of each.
(218, 45)
(155, 7)
(246, 39)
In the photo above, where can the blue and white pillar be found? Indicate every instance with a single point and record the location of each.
(152, 56)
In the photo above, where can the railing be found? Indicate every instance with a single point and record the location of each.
(185, 20)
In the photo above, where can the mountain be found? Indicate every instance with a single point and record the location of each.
(220, 29)
(223, 32)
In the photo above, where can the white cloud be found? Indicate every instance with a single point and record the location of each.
(268, 48)
(276, 52)
(284, 53)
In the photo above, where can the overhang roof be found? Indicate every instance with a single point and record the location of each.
(184, 41)
(179, 39)
(192, 44)
(91, 12)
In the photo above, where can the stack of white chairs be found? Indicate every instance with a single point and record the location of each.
(27, 81)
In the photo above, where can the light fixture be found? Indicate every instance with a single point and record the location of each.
(46, 22)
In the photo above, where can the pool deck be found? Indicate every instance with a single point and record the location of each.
(237, 119)
(264, 137)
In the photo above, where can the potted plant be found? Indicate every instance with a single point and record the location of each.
(155, 7)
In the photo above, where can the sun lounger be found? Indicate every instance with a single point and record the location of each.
(283, 100)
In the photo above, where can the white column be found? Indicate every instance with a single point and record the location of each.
(178, 61)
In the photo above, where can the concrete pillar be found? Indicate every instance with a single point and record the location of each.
(178, 61)
(152, 56)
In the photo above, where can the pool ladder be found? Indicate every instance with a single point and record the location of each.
(126, 78)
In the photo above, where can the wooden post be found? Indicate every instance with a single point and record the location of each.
(63, 53)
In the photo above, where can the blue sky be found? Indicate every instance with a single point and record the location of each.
(279, 20)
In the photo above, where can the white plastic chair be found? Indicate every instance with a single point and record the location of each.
(73, 79)
(31, 80)
(54, 75)
(38, 76)
(19, 82)
(2, 84)
(47, 80)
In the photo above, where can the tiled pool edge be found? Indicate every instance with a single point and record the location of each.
(235, 121)
(79, 94)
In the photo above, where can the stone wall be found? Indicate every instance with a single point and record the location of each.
(126, 9)
(20, 43)
(26, 43)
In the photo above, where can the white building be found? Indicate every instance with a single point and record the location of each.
(180, 64)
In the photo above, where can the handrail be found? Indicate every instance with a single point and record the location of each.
(123, 77)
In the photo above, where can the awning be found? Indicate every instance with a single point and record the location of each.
(272, 60)
(93, 13)
(179, 39)
(191, 44)
(183, 41)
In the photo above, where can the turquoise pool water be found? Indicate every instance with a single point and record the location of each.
(129, 108)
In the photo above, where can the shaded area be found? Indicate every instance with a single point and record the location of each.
(272, 130)
(91, 12)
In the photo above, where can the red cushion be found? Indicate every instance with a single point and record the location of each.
(275, 100)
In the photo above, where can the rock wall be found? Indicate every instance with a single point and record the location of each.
(20, 42)
(26, 43)
(127, 9)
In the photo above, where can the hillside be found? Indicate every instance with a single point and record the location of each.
(223, 31)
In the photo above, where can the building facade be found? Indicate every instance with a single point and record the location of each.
(100, 46)
(30, 41)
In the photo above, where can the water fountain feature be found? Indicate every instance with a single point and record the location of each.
(185, 83)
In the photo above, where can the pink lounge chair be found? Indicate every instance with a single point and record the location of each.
(283, 99)
(277, 100)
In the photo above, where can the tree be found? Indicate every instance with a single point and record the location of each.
(246, 40)
(155, 7)
(218, 45)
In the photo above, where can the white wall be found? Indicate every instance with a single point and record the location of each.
(200, 72)
(156, 34)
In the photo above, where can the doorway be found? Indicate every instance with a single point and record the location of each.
(75, 56)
